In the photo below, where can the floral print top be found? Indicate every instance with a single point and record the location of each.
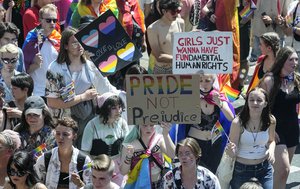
(205, 179)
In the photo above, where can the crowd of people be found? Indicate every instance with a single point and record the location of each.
(64, 125)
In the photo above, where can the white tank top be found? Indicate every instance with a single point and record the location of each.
(253, 145)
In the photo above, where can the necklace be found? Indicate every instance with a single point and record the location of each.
(253, 133)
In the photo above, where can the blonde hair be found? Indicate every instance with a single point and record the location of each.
(47, 8)
(103, 163)
(9, 48)
(39, 186)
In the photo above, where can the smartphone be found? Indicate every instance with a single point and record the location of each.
(264, 14)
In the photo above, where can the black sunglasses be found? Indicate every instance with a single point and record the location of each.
(12, 172)
(9, 61)
(49, 20)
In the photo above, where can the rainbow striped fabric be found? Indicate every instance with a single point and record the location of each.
(247, 12)
(216, 131)
(231, 93)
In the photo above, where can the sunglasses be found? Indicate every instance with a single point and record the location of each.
(49, 20)
(13, 172)
(9, 61)
(175, 11)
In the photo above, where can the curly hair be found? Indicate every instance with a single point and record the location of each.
(67, 122)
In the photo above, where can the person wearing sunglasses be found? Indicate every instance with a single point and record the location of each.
(9, 33)
(41, 47)
(160, 34)
(8, 58)
(20, 171)
(31, 17)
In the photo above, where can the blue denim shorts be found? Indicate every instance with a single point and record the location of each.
(243, 173)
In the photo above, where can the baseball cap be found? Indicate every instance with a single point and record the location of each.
(34, 105)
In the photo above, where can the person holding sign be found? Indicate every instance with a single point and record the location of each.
(143, 154)
(213, 105)
(160, 35)
(252, 141)
(105, 133)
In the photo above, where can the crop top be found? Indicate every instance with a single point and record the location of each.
(208, 121)
(253, 145)
(100, 147)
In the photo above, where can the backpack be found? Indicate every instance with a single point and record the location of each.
(80, 162)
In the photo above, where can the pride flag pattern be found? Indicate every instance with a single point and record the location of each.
(231, 93)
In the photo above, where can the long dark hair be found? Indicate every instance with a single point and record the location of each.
(63, 52)
(23, 162)
(282, 55)
(105, 109)
(265, 115)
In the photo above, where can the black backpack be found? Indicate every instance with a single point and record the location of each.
(80, 161)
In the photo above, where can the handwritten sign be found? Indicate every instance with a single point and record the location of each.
(163, 98)
(108, 43)
(211, 52)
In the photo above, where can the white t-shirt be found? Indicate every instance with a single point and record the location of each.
(49, 54)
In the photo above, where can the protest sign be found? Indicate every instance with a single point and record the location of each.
(211, 52)
(163, 98)
(108, 43)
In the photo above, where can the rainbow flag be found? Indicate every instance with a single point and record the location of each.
(39, 149)
(216, 132)
(231, 93)
(247, 12)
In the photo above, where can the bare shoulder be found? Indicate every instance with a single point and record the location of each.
(180, 20)
(154, 25)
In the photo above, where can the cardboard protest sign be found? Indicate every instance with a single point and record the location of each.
(211, 52)
(163, 98)
(107, 41)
